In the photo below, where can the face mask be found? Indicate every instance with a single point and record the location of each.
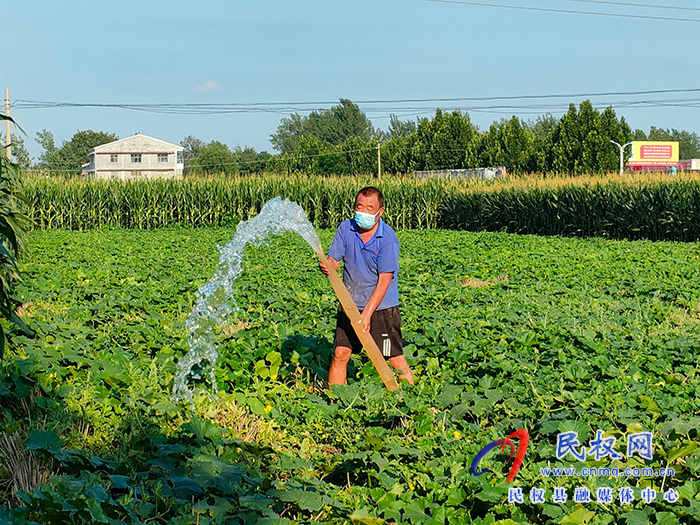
(365, 220)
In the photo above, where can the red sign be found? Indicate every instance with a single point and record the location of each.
(656, 151)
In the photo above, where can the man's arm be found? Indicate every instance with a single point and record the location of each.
(376, 299)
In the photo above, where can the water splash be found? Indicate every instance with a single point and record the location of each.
(215, 300)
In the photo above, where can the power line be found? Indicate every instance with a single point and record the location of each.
(285, 107)
(629, 4)
(565, 11)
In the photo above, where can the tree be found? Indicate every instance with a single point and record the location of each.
(214, 157)
(447, 141)
(543, 125)
(594, 145)
(508, 143)
(250, 161)
(617, 130)
(45, 139)
(20, 155)
(688, 144)
(542, 132)
(397, 153)
(580, 143)
(192, 147)
(333, 126)
(400, 128)
(70, 157)
(289, 131)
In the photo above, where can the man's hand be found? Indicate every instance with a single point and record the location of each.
(332, 265)
(366, 319)
(324, 268)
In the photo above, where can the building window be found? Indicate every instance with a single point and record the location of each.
(136, 157)
(113, 157)
(162, 157)
(135, 173)
(179, 157)
(113, 174)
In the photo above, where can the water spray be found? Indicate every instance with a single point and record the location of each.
(215, 300)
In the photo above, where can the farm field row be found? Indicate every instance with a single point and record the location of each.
(654, 207)
(549, 334)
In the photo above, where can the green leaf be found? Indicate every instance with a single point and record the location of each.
(683, 451)
(256, 406)
(305, 500)
(666, 518)
(44, 440)
(202, 428)
(456, 497)
(274, 521)
(552, 510)
(120, 482)
(185, 488)
(367, 521)
(689, 489)
(638, 517)
(256, 502)
(98, 515)
(578, 517)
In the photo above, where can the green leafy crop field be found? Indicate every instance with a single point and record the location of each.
(503, 332)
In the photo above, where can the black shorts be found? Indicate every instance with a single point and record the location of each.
(385, 329)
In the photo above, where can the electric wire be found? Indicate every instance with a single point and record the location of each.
(385, 105)
(565, 11)
(630, 4)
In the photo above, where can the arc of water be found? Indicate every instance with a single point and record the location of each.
(215, 300)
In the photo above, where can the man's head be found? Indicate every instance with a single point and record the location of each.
(369, 191)
(369, 201)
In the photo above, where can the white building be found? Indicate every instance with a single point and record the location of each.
(137, 156)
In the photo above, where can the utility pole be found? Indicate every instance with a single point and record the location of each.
(8, 148)
(379, 161)
(622, 150)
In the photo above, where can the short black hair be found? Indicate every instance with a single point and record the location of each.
(368, 191)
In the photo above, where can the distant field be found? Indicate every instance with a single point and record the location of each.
(655, 207)
(502, 331)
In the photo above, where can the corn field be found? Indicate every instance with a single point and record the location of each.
(652, 207)
(80, 204)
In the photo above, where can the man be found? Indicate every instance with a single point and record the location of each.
(369, 250)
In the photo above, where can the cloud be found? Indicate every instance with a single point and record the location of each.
(207, 87)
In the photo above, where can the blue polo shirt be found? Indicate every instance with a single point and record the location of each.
(364, 262)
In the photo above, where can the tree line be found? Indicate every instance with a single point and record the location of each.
(342, 140)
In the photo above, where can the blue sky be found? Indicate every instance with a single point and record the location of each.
(278, 51)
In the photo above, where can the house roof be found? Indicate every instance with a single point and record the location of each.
(137, 142)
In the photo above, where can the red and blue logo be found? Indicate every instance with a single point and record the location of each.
(523, 441)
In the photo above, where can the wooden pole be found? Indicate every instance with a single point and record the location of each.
(379, 161)
(8, 139)
(365, 337)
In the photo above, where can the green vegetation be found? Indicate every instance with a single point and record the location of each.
(639, 207)
(333, 126)
(341, 140)
(13, 222)
(502, 331)
(69, 158)
(577, 143)
(215, 157)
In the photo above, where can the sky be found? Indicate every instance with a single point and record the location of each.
(301, 55)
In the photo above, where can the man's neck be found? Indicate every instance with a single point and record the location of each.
(367, 234)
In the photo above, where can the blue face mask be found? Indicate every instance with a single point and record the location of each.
(365, 220)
